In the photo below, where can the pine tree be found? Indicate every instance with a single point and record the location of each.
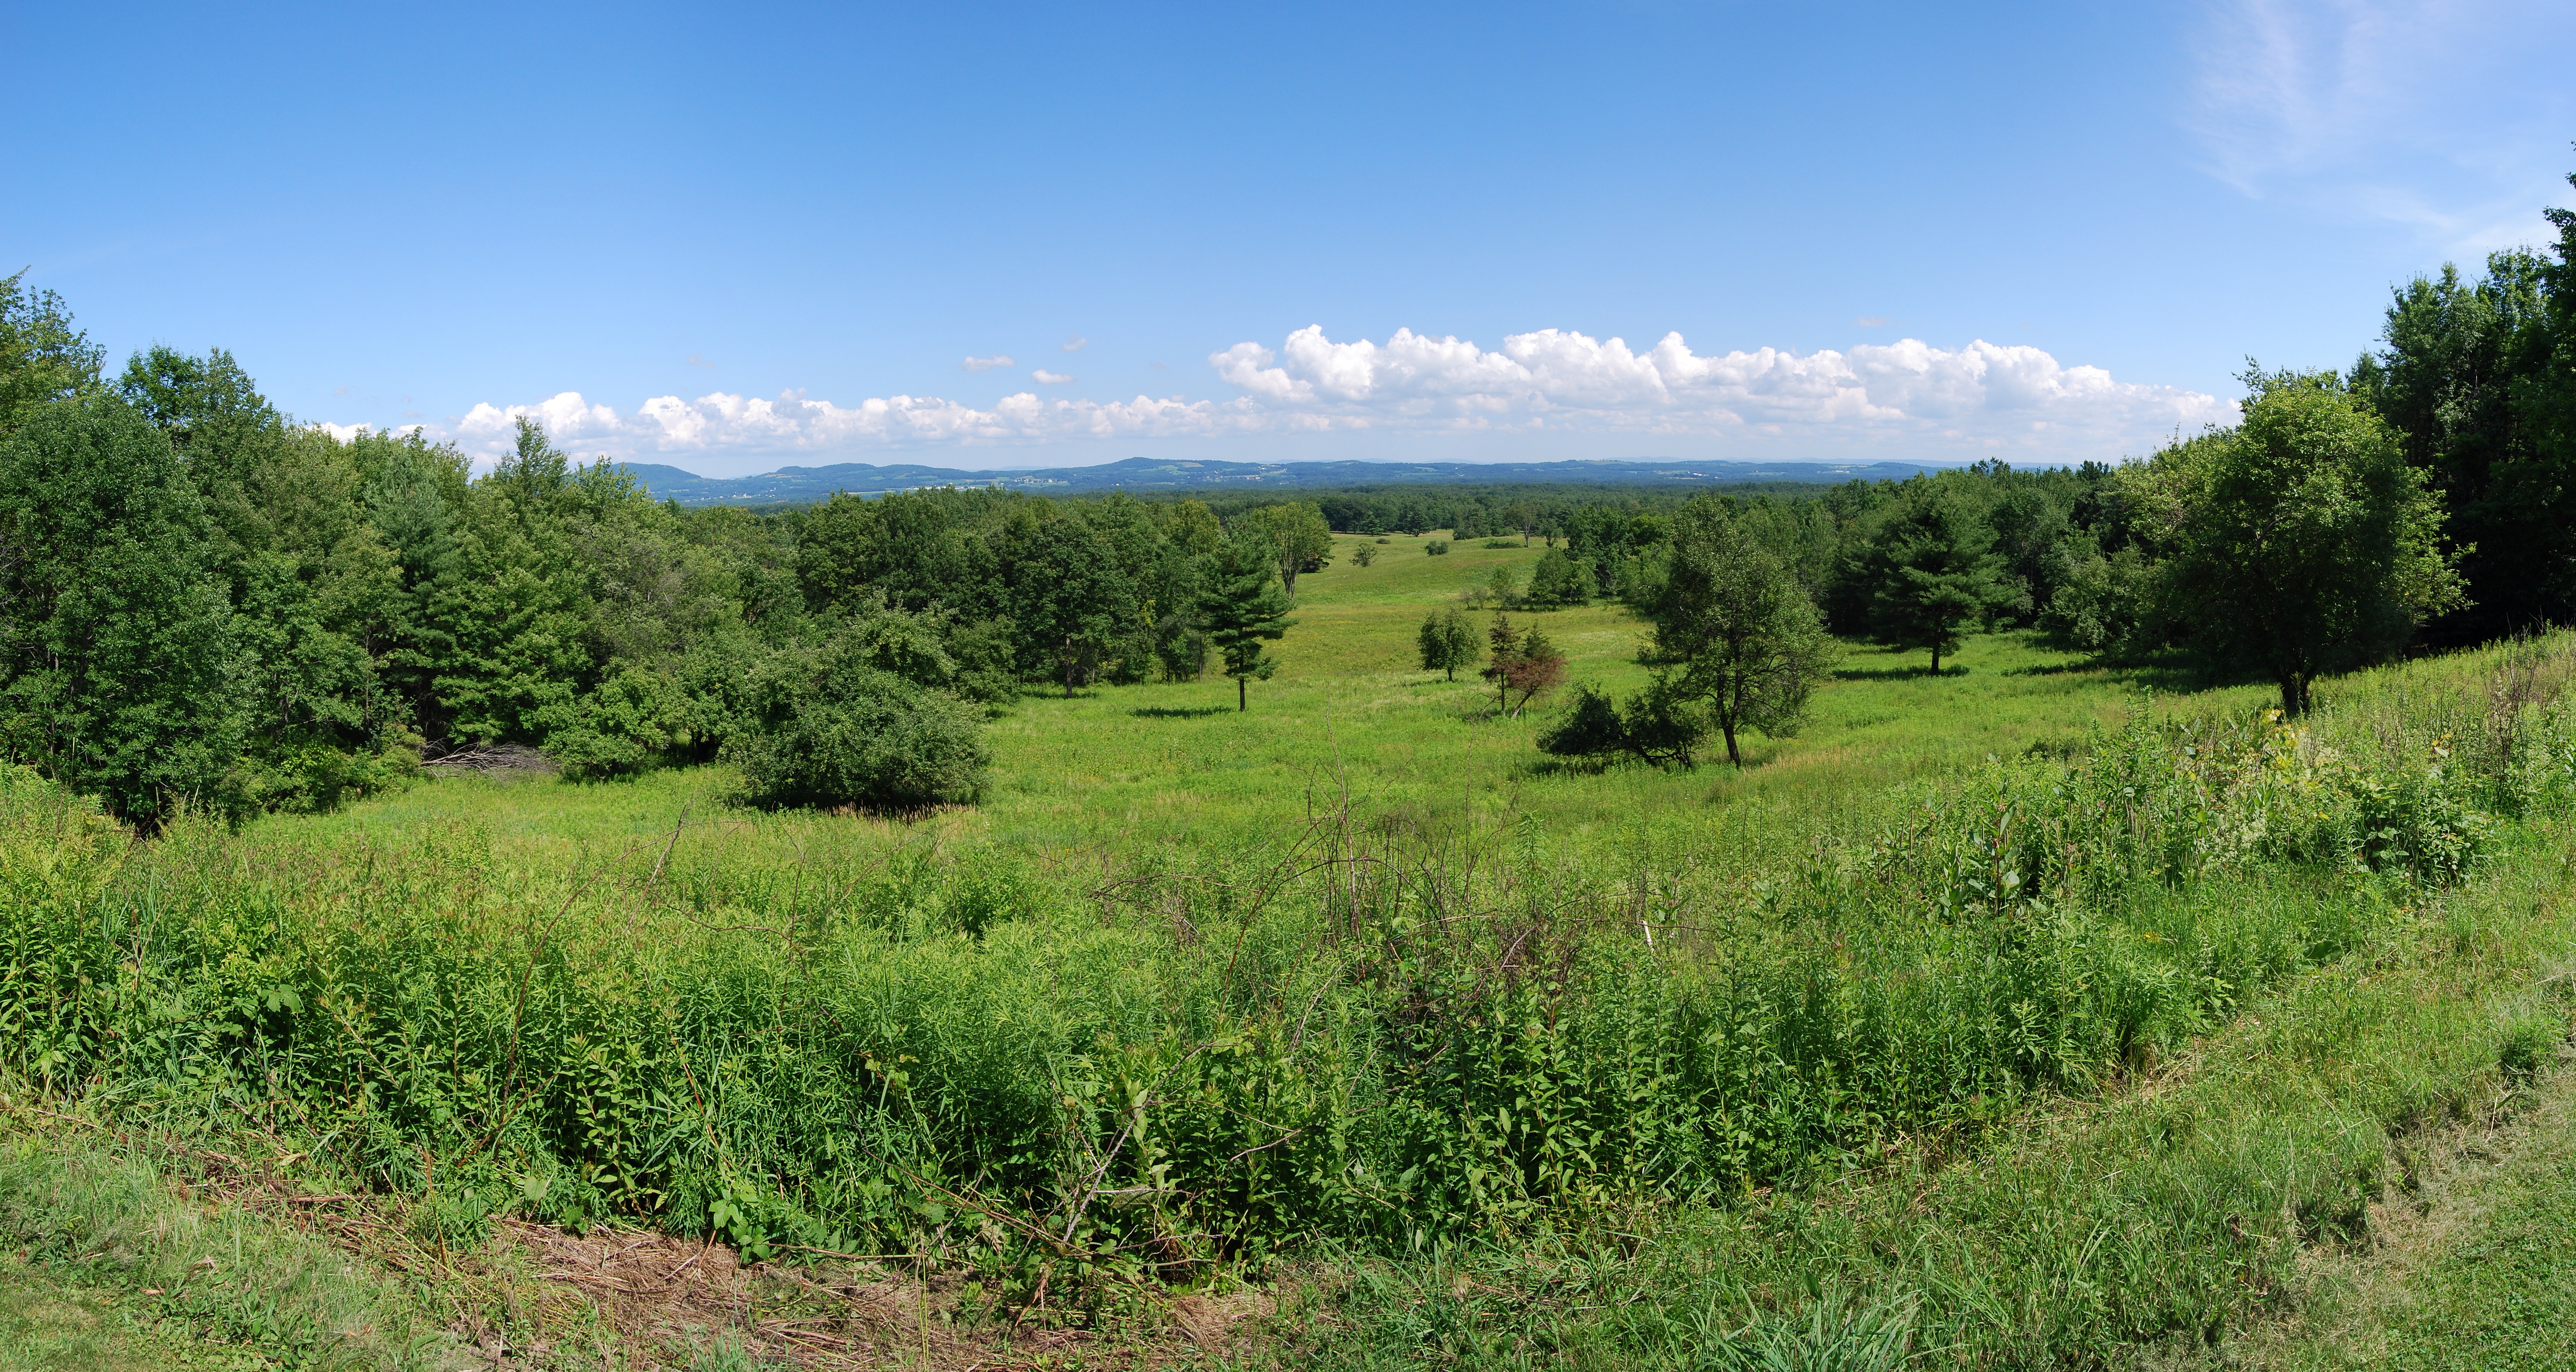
(1936, 573)
(1245, 606)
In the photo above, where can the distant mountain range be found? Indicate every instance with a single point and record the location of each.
(797, 485)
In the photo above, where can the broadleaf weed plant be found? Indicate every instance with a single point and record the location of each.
(1384, 1030)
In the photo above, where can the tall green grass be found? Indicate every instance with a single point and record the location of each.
(1395, 1028)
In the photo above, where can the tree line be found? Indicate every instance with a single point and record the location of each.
(203, 603)
(2425, 494)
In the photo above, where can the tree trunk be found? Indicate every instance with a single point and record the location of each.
(2294, 695)
(1241, 701)
(1936, 657)
(1731, 754)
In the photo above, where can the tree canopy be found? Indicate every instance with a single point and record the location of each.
(1734, 632)
(2300, 541)
(1245, 606)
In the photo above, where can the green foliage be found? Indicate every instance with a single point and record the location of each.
(43, 358)
(1559, 580)
(861, 720)
(1297, 531)
(1654, 727)
(1448, 641)
(119, 670)
(628, 723)
(2469, 376)
(1245, 606)
(1735, 634)
(1070, 600)
(2301, 542)
(1438, 547)
(857, 736)
(1931, 571)
(1523, 665)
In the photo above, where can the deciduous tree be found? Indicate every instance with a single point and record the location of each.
(1449, 641)
(2301, 540)
(116, 638)
(1735, 632)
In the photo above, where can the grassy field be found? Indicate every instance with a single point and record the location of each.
(2015, 1014)
(1351, 715)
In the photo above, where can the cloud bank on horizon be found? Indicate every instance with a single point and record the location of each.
(1978, 399)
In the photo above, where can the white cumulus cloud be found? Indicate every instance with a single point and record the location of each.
(792, 424)
(1979, 395)
(1907, 399)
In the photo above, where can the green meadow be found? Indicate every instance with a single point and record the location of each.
(2031, 1014)
(1351, 717)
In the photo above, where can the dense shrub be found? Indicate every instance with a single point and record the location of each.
(867, 738)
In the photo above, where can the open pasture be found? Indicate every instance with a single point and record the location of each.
(1351, 717)
(1200, 997)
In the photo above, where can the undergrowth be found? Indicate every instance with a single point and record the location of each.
(1382, 1033)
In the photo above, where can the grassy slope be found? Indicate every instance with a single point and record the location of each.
(2154, 1221)
(2475, 1270)
(47, 1325)
(1176, 763)
(1114, 769)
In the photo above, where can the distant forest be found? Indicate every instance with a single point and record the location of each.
(204, 603)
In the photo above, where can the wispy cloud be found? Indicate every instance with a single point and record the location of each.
(986, 364)
(1907, 397)
(1073, 343)
(1870, 321)
(699, 360)
(1047, 378)
(2451, 118)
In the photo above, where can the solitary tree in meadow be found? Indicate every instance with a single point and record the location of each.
(1244, 606)
(1933, 573)
(1735, 632)
(1449, 641)
(2303, 541)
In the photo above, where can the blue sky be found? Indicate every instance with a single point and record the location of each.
(731, 238)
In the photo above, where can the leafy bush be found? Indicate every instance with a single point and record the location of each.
(626, 725)
(1559, 580)
(869, 738)
(1654, 728)
(1438, 547)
